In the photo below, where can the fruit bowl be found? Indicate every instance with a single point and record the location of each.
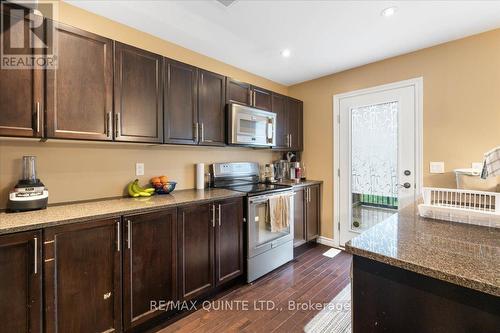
(164, 188)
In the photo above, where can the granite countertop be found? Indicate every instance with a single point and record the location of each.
(463, 254)
(302, 183)
(110, 208)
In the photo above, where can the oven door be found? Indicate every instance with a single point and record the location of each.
(260, 236)
(252, 127)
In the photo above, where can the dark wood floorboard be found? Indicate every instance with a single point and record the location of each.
(311, 277)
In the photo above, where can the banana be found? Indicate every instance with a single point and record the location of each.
(131, 191)
(135, 190)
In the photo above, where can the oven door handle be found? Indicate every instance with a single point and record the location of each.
(259, 201)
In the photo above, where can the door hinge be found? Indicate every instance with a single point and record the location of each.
(338, 225)
(338, 118)
(338, 172)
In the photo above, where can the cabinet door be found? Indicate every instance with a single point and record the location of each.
(80, 90)
(82, 277)
(294, 111)
(238, 92)
(279, 104)
(313, 211)
(211, 108)
(228, 240)
(195, 239)
(149, 264)
(138, 95)
(181, 114)
(299, 218)
(20, 282)
(261, 99)
(21, 90)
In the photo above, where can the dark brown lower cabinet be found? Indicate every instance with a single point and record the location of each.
(20, 282)
(210, 243)
(195, 230)
(82, 269)
(229, 240)
(313, 211)
(307, 214)
(149, 265)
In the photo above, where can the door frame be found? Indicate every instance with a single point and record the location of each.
(418, 85)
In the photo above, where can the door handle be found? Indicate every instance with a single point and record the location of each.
(108, 124)
(290, 140)
(118, 237)
(202, 135)
(37, 115)
(35, 257)
(213, 216)
(249, 96)
(219, 215)
(405, 185)
(196, 132)
(129, 233)
(117, 125)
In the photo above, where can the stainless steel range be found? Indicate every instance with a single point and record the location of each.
(266, 249)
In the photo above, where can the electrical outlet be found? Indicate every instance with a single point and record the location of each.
(477, 165)
(139, 169)
(436, 167)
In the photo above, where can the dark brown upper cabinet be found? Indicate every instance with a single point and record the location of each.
(246, 94)
(82, 274)
(195, 230)
(211, 108)
(80, 91)
(180, 111)
(138, 114)
(261, 98)
(228, 240)
(149, 264)
(21, 282)
(279, 105)
(238, 92)
(21, 90)
(295, 123)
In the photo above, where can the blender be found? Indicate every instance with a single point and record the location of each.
(29, 193)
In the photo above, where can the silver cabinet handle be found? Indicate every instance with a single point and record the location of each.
(290, 140)
(213, 216)
(253, 97)
(117, 125)
(202, 135)
(196, 132)
(219, 216)
(109, 124)
(250, 97)
(37, 111)
(118, 238)
(129, 233)
(35, 257)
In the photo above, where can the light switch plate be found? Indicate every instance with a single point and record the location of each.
(436, 167)
(139, 169)
(477, 165)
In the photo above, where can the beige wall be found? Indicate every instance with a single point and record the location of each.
(81, 170)
(461, 107)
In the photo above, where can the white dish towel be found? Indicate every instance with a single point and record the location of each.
(491, 165)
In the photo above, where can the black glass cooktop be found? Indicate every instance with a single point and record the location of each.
(258, 188)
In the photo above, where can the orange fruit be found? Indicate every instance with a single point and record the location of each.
(155, 180)
(163, 179)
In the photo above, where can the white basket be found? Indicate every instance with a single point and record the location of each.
(464, 206)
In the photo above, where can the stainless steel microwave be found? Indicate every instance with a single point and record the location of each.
(251, 127)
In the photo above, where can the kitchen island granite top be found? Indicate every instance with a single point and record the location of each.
(462, 254)
(106, 208)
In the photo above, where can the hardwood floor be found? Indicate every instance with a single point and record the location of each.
(311, 278)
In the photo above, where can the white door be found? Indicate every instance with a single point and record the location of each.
(377, 148)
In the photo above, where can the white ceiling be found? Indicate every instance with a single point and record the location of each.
(324, 36)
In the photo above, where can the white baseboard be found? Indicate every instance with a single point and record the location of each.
(326, 241)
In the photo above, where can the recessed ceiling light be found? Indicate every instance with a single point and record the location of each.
(388, 12)
(286, 53)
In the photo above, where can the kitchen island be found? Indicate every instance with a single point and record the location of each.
(412, 274)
